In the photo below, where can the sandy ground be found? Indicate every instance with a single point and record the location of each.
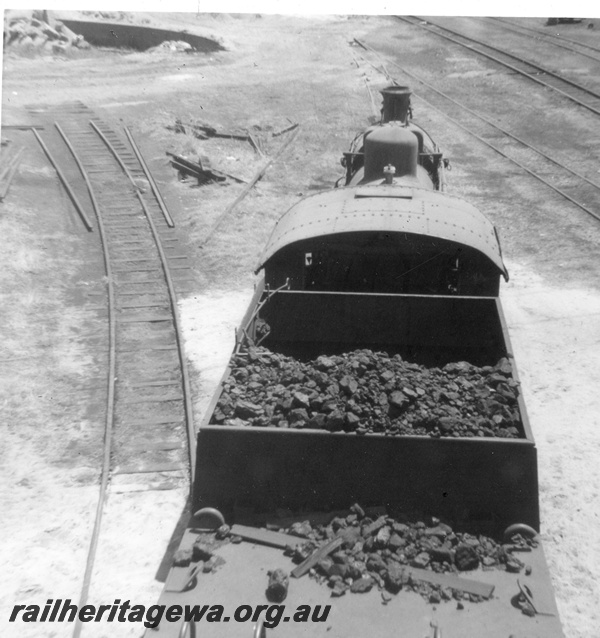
(51, 364)
(556, 335)
(209, 323)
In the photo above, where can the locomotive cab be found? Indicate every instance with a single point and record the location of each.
(391, 229)
(385, 238)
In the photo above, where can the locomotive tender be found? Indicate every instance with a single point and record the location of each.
(388, 262)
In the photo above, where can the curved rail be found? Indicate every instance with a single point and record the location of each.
(110, 409)
(65, 183)
(542, 37)
(150, 179)
(549, 35)
(187, 392)
(9, 172)
(15, 159)
(483, 141)
(115, 154)
(173, 302)
(512, 67)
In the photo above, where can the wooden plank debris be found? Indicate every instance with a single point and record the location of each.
(452, 580)
(258, 175)
(155, 467)
(148, 446)
(161, 399)
(204, 131)
(265, 536)
(159, 420)
(316, 556)
(145, 318)
(286, 130)
(255, 144)
(127, 488)
(201, 170)
(156, 382)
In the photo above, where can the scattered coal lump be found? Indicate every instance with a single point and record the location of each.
(379, 553)
(370, 392)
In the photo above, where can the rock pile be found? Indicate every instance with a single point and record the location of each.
(35, 33)
(379, 553)
(172, 46)
(112, 16)
(363, 392)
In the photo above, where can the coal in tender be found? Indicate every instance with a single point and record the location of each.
(381, 554)
(364, 392)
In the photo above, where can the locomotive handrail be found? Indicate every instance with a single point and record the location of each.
(188, 630)
(383, 294)
(259, 306)
(260, 631)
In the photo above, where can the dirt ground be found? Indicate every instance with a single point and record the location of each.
(275, 70)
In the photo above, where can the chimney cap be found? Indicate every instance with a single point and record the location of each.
(396, 90)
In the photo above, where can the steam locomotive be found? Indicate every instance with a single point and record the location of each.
(386, 261)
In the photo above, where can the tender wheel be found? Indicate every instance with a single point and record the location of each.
(519, 528)
(209, 519)
(260, 631)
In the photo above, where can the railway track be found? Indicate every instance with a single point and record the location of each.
(149, 437)
(565, 181)
(565, 87)
(548, 38)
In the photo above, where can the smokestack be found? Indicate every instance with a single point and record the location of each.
(396, 104)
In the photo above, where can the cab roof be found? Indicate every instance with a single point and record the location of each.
(386, 208)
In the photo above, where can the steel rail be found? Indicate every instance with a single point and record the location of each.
(493, 125)
(110, 409)
(111, 395)
(518, 58)
(542, 37)
(4, 188)
(65, 183)
(483, 141)
(150, 179)
(186, 386)
(511, 66)
(115, 154)
(11, 162)
(9, 172)
(550, 35)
